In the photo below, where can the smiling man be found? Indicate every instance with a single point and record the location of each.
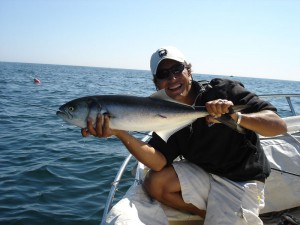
(222, 174)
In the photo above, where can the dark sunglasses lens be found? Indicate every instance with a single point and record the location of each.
(177, 69)
(163, 74)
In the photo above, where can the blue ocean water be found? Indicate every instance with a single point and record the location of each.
(49, 173)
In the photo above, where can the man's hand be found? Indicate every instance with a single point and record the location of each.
(217, 108)
(101, 129)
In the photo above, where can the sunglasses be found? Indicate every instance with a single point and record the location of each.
(165, 73)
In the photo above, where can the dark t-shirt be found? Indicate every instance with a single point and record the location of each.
(219, 149)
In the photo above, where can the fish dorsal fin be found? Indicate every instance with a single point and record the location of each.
(161, 94)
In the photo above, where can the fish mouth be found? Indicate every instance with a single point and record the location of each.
(61, 114)
(64, 114)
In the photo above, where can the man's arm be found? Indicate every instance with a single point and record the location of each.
(143, 152)
(265, 122)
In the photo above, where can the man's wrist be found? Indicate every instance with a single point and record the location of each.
(239, 117)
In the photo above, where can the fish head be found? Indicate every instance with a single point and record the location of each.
(75, 112)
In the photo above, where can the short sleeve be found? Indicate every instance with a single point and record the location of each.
(168, 149)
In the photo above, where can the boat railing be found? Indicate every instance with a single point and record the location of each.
(114, 187)
(119, 175)
(286, 96)
(115, 183)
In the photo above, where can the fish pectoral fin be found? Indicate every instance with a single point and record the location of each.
(161, 116)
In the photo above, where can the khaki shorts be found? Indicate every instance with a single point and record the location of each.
(226, 202)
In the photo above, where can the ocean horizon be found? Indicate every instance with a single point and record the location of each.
(148, 70)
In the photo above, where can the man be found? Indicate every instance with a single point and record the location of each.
(222, 176)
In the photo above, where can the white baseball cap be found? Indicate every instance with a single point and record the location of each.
(168, 52)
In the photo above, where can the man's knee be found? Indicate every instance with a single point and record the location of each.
(152, 184)
(157, 184)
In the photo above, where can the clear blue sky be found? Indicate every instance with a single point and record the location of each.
(254, 38)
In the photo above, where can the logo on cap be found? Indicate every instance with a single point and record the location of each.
(162, 52)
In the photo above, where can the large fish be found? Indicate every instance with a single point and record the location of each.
(158, 113)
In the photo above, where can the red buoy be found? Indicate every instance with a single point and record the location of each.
(36, 81)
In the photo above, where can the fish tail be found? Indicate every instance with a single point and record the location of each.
(228, 121)
(237, 108)
(226, 118)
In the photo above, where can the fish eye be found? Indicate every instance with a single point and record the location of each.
(71, 108)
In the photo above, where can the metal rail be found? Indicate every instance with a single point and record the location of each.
(286, 96)
(116, 182)
(114, 187)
